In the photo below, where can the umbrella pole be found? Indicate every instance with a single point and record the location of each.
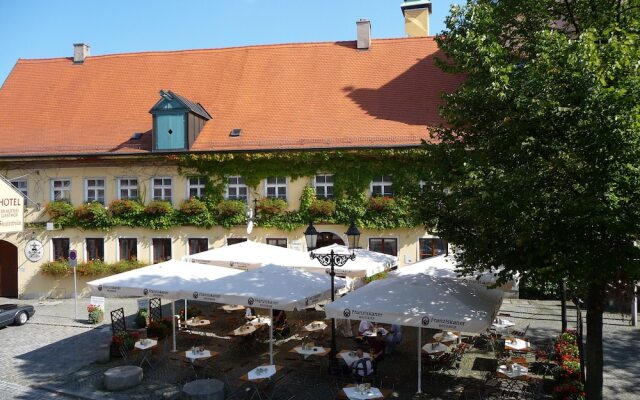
(185, 311)
(271, 337)
(173, 323)
(419, 360)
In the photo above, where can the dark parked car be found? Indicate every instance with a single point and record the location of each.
(17, 314)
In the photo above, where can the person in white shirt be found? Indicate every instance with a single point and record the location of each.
(362, 367)
(365, 326)
(249, 314)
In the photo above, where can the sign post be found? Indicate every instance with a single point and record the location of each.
(73, 262)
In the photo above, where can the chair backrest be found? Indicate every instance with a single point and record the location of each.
(155, 309)
(363, 367)
(118, 323)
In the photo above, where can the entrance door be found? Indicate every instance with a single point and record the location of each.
(327, 239)
(8, 269)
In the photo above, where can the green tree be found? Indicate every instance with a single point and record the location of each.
(538, 168)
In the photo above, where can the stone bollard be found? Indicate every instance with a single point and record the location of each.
(124, 377)
(203, 389)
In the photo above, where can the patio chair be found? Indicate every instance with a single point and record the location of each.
(518, 333)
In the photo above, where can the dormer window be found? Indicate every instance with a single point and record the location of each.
(177, 122)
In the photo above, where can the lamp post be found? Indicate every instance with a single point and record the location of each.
(333, 260)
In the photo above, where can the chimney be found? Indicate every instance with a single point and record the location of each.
(80, 52)
(416, 17)
(363, 28)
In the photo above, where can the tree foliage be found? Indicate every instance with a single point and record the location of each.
(538, 170)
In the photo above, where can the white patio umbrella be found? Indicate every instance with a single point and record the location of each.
(366, 264)
(250, 255)
(422, 301)
(170, 279)
(444, 266)
(272, 286)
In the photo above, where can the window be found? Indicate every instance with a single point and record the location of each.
(386, 246)
(60, 248)
(94, 190)
(61, 189)
(237, 189)
(231, 241)
(382, 186)
(276, 187)
(324, 186)
(95, 249)
(21, 185)
(196, 187)
(198, 245)
(432, 247)
(161, 189)
(277, 242)
(161, 250)
(128, 248)
(128, 188)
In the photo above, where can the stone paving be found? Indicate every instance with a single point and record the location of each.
(52, 351)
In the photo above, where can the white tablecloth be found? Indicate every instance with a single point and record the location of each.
(517, 344)
(375, 333)
(435, 348)
(147, 345)
(260, 320)
(517, 371)
(374, 393)
(195, 356)
(308, 352)
(350, 359)
(267, 372)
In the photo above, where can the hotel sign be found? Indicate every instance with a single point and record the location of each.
(11, 208)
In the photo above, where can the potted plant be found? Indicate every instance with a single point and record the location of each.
(141, 318)
(96, 314)
(123, 342)
(159, 329)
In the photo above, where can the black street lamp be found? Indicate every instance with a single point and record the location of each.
(333, 260)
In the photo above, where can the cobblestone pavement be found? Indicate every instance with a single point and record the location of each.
(55, 352)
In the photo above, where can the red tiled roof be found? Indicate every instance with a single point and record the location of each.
(290, 96)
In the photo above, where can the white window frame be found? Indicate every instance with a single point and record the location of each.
(325, 185)
(237, 187)
(64, 189)
(163, 187)
(380, 181)
(24, 190)
(277, 185)
(128, 187)
(95, 188)
(199, 187)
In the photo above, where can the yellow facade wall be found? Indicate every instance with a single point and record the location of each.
(33, 284)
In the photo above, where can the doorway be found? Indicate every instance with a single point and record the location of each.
(8, 269)
(327, 239)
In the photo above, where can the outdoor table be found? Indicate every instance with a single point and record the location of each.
(435, 348)
(259, 321)
(349, 393)
(446, 337)
(193, 356)
(145, 345)
(516, 344)
(350, 357)
(315, 326)
(313, 351)
(244, 330)
(502, 325)
(374, 332)
(258, 375)
(232, 307)
(198, 322)
(516, 371)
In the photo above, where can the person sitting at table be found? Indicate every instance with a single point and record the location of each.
(249, 314)
(362, 367)
(365, 326)
(377, 349)
(394, 337)
(280, 323)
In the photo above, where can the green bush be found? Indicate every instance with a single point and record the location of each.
(158, 208)
(61, 211)
(322, 210)
(125, 265)
(195, 212)
(92, 268)
(159, 329)
(159, 215)
(93, 216)
(141, 318)
(231, 213)
(268, 207)
(126, 212)
(56, 268)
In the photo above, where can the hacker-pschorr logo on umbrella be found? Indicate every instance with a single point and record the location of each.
(346, 313)
(195, 295)
(425, 321)
(250, 301)
(99, 288)
(145, 292)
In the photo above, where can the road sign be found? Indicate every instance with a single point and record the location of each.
(73, 258)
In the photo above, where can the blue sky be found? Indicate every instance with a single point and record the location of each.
(46, 28)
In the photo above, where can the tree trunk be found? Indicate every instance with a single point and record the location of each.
(595, 309)
(563, 304)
